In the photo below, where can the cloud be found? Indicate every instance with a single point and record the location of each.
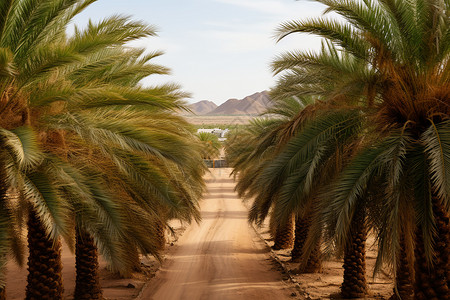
(236, 37)
(266, 6)
(279, 8)
(256, 32)
(230, 41)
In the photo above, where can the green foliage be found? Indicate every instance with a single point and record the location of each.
(82, 141)
(387, 63)
(220, 126)
(387, 60)
(210, 145)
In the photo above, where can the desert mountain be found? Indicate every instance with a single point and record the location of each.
(250, 105)
(203, 107)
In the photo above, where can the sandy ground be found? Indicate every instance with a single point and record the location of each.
(114, 287)
(220, 259)
(326, 284)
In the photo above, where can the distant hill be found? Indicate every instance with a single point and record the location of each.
(203, 107)
(251, 105)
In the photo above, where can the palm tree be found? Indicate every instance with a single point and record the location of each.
(23, 62)
(138, 143)
(210, 145)
(52, 84)
(405, 44)
(267, 138)
(246, 155)
(18, 148)
(140, 119)
(344, 83)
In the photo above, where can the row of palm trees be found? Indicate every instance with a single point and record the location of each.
(361, 144)
(87, 154)
(210, 145)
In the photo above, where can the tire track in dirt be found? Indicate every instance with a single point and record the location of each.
(222, 258)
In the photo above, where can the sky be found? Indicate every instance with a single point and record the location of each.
(216, 49)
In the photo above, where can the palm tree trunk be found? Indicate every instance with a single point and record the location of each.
(314, 263)
(44, 279)
(301, 233)
(354, 285)
(135, 262)
(3, 262)
(5, 248)
(161, 234)
(403, 278)
(284, 235)
(433, 282)
(87, 284)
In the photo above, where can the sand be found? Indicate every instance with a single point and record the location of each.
(222, 258)
(114, 287)
(326, 284)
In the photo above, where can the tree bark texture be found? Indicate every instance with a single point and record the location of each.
(160, 234)
(284, 235)
(355, 285)
(314, 263)
(87, 284)
(3, 256)
(3, 262)
(44, 279)
(404, 289)
(301, 233)
(433, 282)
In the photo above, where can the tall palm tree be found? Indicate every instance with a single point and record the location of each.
(405, 44)
(247, 162)
(129, 127)
(23, 62)
(46, 85)
(267, 137)
(344, 83)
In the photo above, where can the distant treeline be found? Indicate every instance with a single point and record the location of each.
(221, 126)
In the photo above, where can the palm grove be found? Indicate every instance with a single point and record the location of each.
(87, 153)
(359, 143)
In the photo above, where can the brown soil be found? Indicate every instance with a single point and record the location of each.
(114, 287)
(326, 284)
(222, 258)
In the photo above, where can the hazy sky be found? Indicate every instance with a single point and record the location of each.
(217, 49)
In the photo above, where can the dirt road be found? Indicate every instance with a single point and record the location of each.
(222, 258)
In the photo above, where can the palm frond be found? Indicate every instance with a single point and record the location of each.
(21, 144)
(5, 220)
(341, 34)
(354, 180)
(423, 199)
(7, 68)
(300, 184)
(5, 13)
(114, 30)
(40, 191)
(437, 141)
